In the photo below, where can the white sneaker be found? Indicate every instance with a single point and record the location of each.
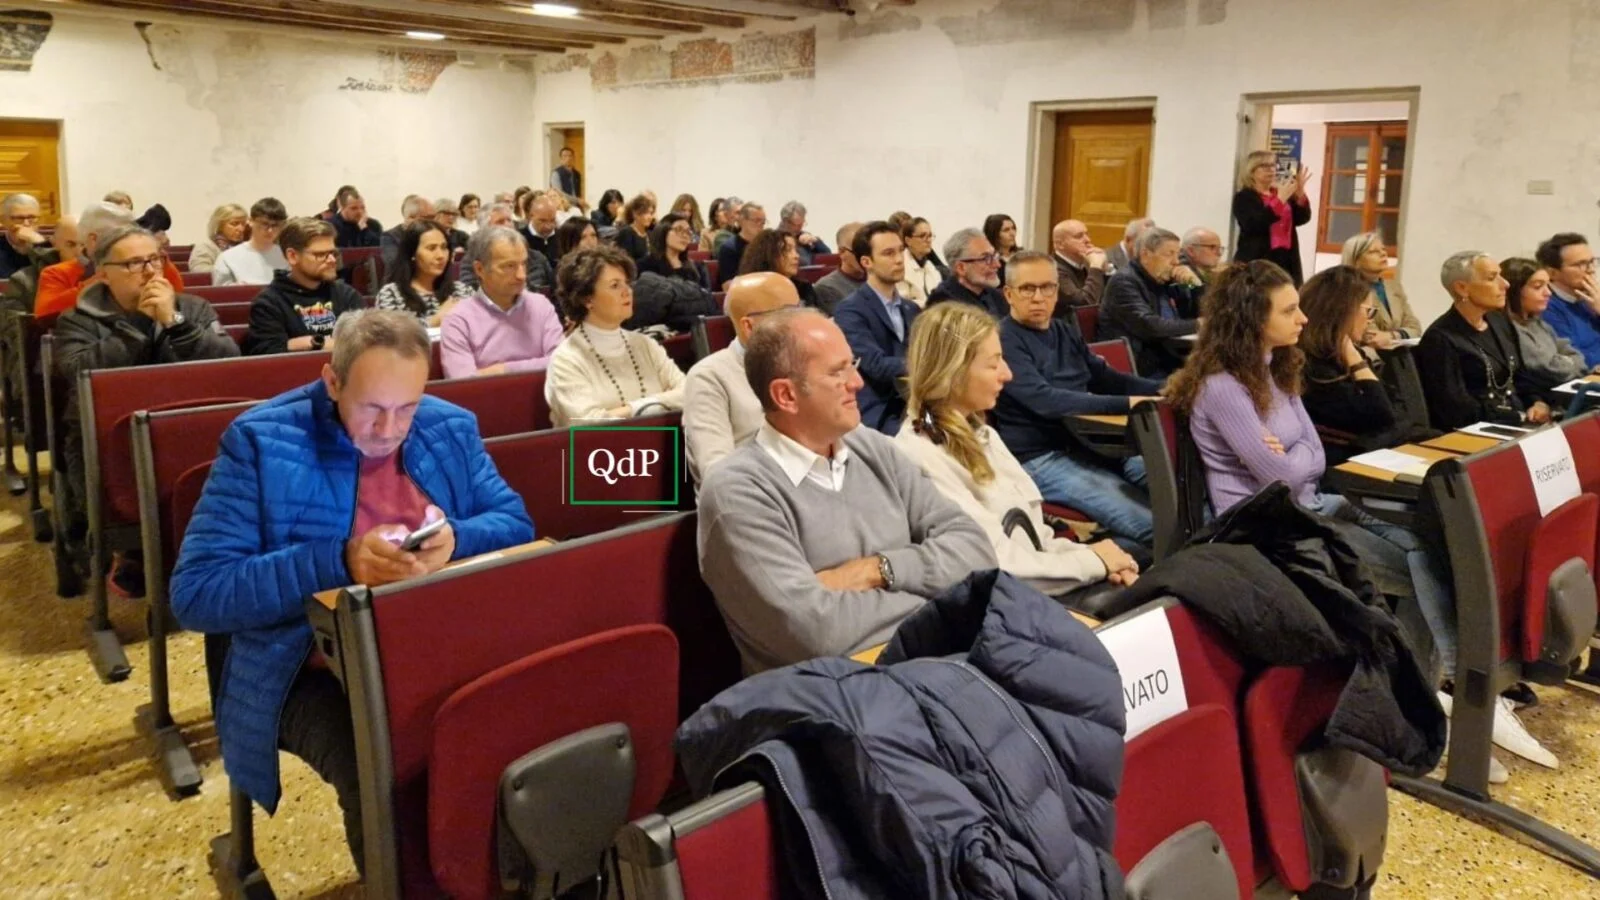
(1509, 734)
(1497, 771)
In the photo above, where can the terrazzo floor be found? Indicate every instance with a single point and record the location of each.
(82, 814)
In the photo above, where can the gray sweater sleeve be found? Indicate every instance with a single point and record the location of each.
(946, 544)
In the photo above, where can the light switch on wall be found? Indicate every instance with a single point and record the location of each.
(1542, 186)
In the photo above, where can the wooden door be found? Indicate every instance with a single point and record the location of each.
(29, 163)
(1102, 170)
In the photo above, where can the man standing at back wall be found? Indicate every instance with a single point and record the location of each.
(314, 490)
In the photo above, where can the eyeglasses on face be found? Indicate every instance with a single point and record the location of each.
(321, 256)
(1030, 291)
(987, 259)
(143, 263)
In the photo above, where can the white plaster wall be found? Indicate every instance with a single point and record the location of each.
(914, 118)
(1312, 119)
(238, 115)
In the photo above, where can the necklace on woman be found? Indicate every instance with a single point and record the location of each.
(584, 327)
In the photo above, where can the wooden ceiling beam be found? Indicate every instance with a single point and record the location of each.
(519, 16)
(360, 12)
(161, 12)
(768, 9)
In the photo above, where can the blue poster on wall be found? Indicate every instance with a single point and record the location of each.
(1286, 147)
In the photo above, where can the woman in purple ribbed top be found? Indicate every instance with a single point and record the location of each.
(1241, 390)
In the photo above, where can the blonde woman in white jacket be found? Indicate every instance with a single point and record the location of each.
(956, 370)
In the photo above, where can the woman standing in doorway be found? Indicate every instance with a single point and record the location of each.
(1268, 212)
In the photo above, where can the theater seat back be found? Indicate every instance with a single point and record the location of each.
(509, 403)
(1174, 472)
(626, 675)
(721, 848)
(711, 333)
(168, 444)
(1558, 609)
(1088, 319)
(1116, 354)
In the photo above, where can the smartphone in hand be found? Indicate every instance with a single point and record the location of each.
(415, 539)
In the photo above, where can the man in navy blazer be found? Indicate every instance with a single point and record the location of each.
(876, 321)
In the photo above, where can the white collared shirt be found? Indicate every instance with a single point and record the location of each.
(800, 463)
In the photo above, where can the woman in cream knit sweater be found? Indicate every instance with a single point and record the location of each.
(956, 370)
(600, 371)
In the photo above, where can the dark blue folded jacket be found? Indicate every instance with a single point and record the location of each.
(270, 531)
(979, 759)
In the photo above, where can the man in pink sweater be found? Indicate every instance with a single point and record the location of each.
(504, 327)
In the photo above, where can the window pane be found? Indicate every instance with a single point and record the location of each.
(1350, 152)
(1389, 224)
(1389, 189)
(1394, 151)
(1348, 190)
(1343, 224)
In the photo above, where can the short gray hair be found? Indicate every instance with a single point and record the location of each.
(1193, 236)
(775, 352)
(1459, 268)
(482, 242)
(446, 204)
(102, 248)
(791, 209)
(745, 210)
(1152, 238)
(364, 329)
(1357, 245)
(955, 246)
(485, 212)
(103, 217)
(1135, 226)
(412, 205)
(12, 201)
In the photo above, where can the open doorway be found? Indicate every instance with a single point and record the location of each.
(1089, 161)
(1358, 148)
(565, 135)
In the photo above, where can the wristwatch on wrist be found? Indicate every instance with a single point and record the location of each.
(317, 341)
(886, 572)
(177, 319)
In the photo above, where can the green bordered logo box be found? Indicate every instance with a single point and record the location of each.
(636, 460)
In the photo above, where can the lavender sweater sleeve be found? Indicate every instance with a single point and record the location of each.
(1232, 439)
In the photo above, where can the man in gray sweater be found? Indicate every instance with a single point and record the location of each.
(818, 537)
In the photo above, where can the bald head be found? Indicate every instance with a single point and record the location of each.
(65, 238)
(1070, 239)
(542, 216)
(753, 295)
(846, 238)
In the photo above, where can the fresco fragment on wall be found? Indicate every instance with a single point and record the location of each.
(1014, 21)
(22, 33)
(406, 71)
(747, 58)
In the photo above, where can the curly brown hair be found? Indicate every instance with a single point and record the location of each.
(1235, 311)
(764, 253)
(579, 273)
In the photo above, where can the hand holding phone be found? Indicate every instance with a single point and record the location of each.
(415, 539)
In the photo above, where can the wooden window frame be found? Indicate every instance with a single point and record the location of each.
(1375, 132)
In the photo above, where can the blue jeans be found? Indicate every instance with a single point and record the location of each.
(1116, 500)
(1400, 567)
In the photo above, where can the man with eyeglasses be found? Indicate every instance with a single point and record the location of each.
(1150, 304)
(877, 322)
(1054, 375)
(1080, 267)
(540, 232)
(720, 411)
(833, 287)
(752, 221)
(298, 309)
(817, 537)
(257, 260)
(974, 273)
(1199, 255)
(131, 315)
(19, 213)
(1575, 312)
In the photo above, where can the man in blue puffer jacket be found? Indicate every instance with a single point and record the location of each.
(313, 490)
(978, 760)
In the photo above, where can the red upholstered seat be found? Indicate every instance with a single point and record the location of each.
(186, 491)
(1568, 532)
(730, 858)
(831, 260)
(511, 403)
(537, 467)
(1282, 710)
(435, 636)
(232, 313)
(1116, 354)
(711, 333)
(196, 279)
(1508, 515)
(711, 271)
(225, 293)
(170, 445)
(1202, 743)
(1088, 322)
(814, 274)
(681, 348)
(626, 675)
(115, 394)
(1583, 436)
